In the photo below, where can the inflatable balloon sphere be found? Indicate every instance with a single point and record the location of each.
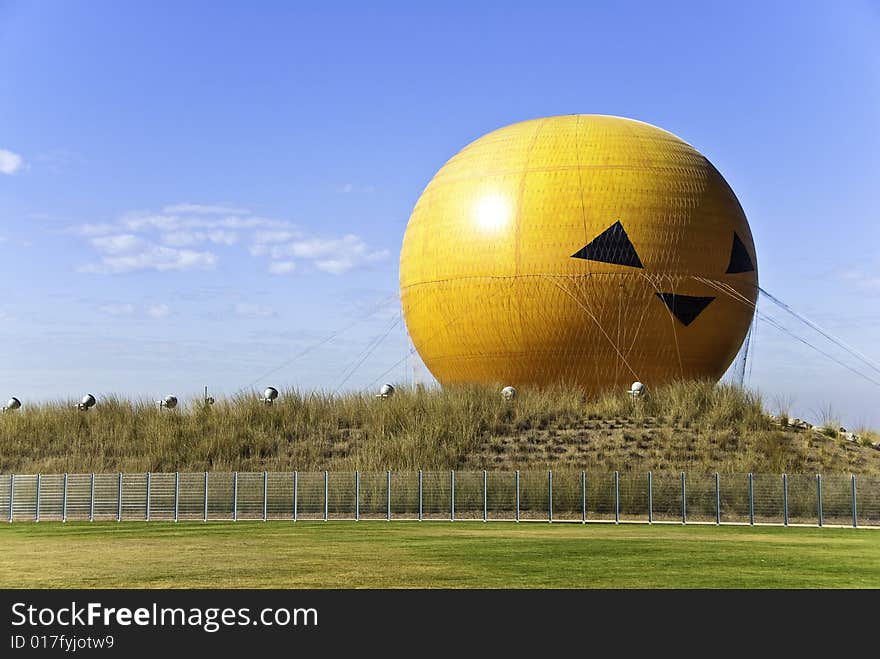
(583, 249)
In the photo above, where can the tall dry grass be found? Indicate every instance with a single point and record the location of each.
(427, 428)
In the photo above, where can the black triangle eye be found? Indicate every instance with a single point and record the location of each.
(611, 246)
(685, 307)
(740, 261)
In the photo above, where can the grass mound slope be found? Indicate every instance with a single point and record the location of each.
(690, 426)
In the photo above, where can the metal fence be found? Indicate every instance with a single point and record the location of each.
(552, 496)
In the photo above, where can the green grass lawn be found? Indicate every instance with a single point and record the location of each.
(433, 555)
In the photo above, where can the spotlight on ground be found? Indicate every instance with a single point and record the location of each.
(169, 402)
(387, 391)
(88, 402)
(508, 393)
(269, 395)
(12, 405)
(637, 389)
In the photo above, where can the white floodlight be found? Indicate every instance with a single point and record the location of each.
(508, 393)
(637, 389)
(88, 401)
(169, 402)
(12, 405)
(269, 395)
(386, 391)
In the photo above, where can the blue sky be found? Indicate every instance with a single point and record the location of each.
(193, 193)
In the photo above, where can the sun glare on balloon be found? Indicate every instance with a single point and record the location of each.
(492, 213)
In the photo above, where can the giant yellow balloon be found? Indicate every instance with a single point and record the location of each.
(584, 249)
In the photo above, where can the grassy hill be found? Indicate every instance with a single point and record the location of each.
(691, 426)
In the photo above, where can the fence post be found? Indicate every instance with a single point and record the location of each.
(485, 498)
(119, 497)
(357, 495)
(295, 493)
(684, 517)
(616, 498)
(550, 496)
(265, 495)
(149, 480)
(751, 500)
(11, 497)
(717, 499)
(516, 496)
(583, 496)
(326, 502)
(206, 497)
(854, 510)
(650, 498)
(785, 499)
(37, 502)
(452, 495)
(420, 495)
(388, 496)
(819, 496)
(234, 496)
(92, 498)
(176, 496)
(64, 500)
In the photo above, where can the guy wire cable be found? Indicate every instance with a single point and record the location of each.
(382, 303)
(726, 288)
(371, 347)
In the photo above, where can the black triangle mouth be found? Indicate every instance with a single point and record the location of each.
(740, 261)
(611, 246)
(685, 307)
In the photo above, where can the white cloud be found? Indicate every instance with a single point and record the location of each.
(119, 244)
(10, 162)
(311, 249)
(185, 238)
(117, 309)
(264, 237)
(169, 241)
(194, 226)
(154, 257)
(122, 309)
(349, 246)
(204, 209)
(222, 237)
(148, 222)
(253, 310)
(335, 266)
(181, 238)
(282, 267)
(346, 262)
(332, 255)
(158, 311)
(169, 223)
